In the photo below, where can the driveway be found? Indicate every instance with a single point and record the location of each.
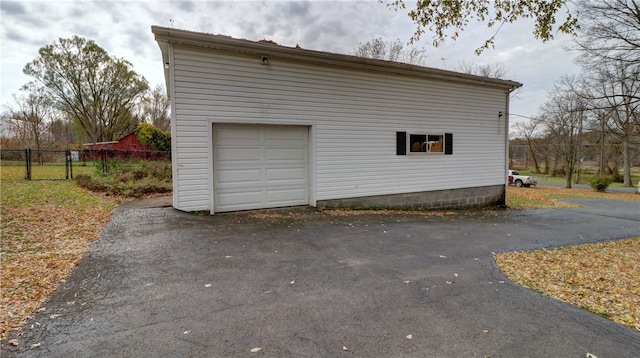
(298, 283)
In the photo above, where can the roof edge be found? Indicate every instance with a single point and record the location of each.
(227, 43)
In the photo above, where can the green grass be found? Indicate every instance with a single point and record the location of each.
(584, 178)
(11, 171)
(60, 193)
(21, 199)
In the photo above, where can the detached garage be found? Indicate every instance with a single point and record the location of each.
(257, 125)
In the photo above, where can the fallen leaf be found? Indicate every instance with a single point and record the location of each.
(255, 350)
(14, 342)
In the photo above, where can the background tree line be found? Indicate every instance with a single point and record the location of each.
(594, 116)
(81, 94)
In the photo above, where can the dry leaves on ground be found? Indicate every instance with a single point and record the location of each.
(46, 228)
(603, 278)
(547, 197)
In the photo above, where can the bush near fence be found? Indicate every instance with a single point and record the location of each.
(14, 164)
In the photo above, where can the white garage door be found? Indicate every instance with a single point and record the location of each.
(258, 167)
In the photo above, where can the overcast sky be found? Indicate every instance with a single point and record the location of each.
(123, 28)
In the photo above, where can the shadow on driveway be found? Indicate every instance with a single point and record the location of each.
(300, 283)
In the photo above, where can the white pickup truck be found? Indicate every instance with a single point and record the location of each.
(514, 178)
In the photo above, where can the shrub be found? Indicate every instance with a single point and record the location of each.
(617, 178)
(142, 179)
(600, 182)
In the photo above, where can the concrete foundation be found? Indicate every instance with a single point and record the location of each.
(440, 199)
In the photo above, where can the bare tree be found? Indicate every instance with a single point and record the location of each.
(610, 30)
(391, 51)
(609, 45)
(614, 89)
(155, 108)
(529, 130)
(564, 115)
(30, 117)
(491, 70)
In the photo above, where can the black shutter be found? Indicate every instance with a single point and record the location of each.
(448, 143)
(401, 143)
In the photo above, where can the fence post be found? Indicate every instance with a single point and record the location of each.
(67, 154)
(103, 154)
(70, 164)
(27, 156)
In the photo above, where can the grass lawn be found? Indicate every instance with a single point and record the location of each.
(546, 197)
(48, 171)
(46, 228)
(635, 178)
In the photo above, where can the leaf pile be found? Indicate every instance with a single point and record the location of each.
(603, 278)
(46, 228)
(547, 197)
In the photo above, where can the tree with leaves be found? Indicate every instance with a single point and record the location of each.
(97, 91)
(447, 19)
(391, 51)
(150, 135)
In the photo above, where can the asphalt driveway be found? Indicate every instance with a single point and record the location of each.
(162, 283)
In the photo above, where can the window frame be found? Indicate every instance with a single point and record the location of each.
(426, 147)
(404, 145)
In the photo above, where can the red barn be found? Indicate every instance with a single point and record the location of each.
(128, 142)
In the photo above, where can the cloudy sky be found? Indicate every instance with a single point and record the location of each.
(123, 28)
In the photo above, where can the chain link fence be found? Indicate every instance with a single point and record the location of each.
(64, 164)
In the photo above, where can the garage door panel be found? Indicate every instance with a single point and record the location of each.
(298, 196)
(285, 154)
(234, 198)
(232, 134)
(238, 154)
(298, 175)
(237, 177)
(260, 166)
(283, 133)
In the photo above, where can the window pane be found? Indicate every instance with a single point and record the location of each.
(417, 142)
(435, 143)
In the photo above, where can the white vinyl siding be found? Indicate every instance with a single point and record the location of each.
(356, 115)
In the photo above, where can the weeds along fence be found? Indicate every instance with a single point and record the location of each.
(64, 164)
